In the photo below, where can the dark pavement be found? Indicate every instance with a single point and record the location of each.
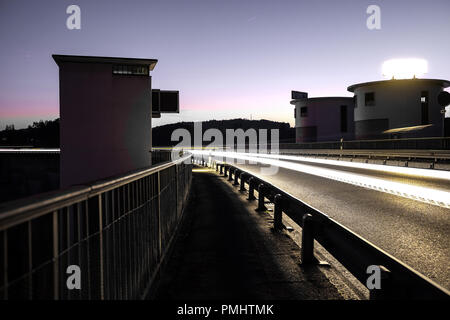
(226, 250)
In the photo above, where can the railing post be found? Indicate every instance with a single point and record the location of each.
(385, 290)
(100, 222)
(277, 219)
(243, 175)
(251, 189)
(159, 217)
(307, 253)
(236, 177)
(55, 256)
(261, 191)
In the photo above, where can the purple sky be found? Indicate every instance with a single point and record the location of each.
(228, 58)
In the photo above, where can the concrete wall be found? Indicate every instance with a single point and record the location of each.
(323, 119)
(397, 105)
(105, 122)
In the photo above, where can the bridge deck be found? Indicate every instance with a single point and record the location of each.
(226, 250)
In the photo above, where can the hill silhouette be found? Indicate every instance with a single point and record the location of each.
(162, 134)
(45, 134)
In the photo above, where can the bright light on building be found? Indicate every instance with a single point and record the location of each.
(404, 68)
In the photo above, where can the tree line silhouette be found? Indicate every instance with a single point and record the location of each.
(45, 134)
(40, 134)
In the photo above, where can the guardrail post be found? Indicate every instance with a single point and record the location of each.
(230, 173)
(307, 253)
(251, 189)
(277, 213)
(236, 177)
(261, 206)
(385, 290)
(243, 175)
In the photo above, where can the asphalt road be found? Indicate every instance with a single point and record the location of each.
(417, 233)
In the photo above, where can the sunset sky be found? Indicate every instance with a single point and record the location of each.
(228, 58)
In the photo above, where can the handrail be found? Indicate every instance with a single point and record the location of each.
(17, 211)
(117, 231)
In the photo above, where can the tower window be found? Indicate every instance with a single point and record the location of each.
(303, 112)
(369, 98)
(343, 118)
(424, 106)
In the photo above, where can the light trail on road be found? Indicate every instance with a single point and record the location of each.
(427, 195)
(426, 173)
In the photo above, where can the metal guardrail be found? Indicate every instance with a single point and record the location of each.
(431, 158)
(437, 143)
(399, 144)
(398, 280)
(389, 154)
(117, 231)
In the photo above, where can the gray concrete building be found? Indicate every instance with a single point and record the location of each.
(398, 108)
(322, 118)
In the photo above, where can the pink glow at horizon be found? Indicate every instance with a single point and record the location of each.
(229, 59)
(25, 109)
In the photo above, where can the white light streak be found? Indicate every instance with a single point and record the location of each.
(427, 195)
(426, 173)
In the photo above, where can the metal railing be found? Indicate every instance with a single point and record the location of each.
(159, 156)
(425, 143)
(428, 143)
(116, 231)
(398, 281)
(430, 158)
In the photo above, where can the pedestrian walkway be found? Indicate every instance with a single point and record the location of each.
(226, 250)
